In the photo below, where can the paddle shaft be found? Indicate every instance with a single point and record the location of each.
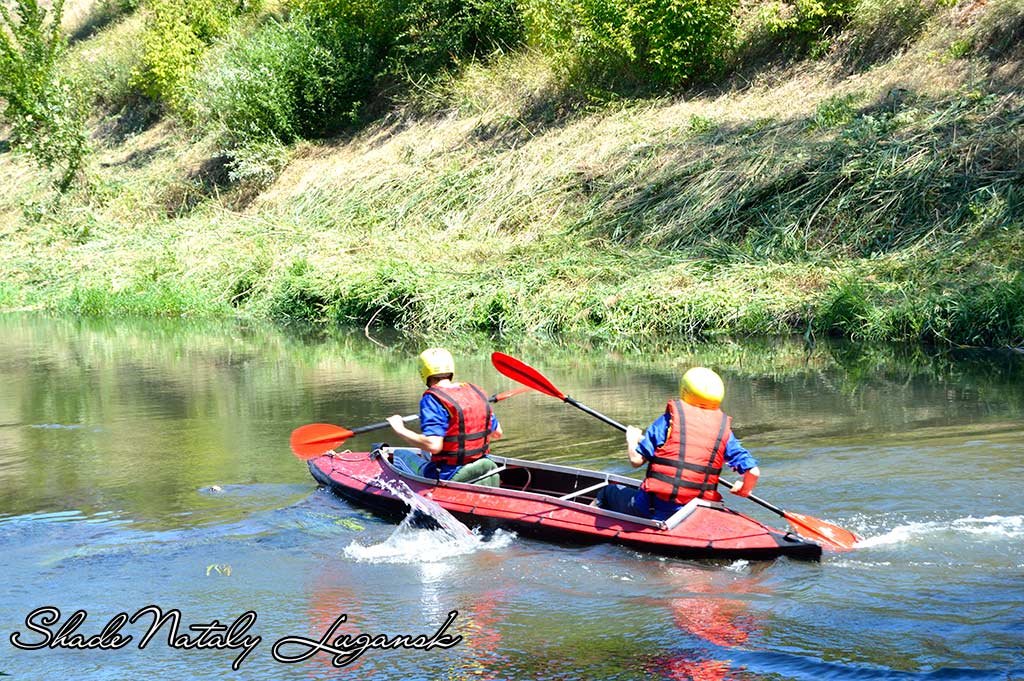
(497, 397)
(596, 414)
(382, 424)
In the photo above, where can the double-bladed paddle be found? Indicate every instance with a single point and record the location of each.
(315, 439)
(813, 528)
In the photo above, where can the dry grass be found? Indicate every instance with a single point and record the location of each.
(511, 207)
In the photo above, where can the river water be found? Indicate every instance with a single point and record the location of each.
(146, 463)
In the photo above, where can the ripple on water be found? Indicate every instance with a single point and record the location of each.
(411, 543)
(994, 527)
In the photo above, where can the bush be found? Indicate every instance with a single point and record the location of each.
(285, 81)
(792, 27)
(835, 111)
(310, 75)
(46, 114)
(436, 33)
(177, 33)
(103, 67)
(615, 43)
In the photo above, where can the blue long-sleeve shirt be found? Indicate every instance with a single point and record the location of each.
(434, 422)
(736, 457)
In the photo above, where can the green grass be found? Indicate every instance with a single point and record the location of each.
(878, 204)
(10, 296)
(159, 298)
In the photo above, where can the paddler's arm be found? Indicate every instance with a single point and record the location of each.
(640, 446)
(746, 485)
(633, 435)
(743, 462)
(430, 443)
(433, 425)
(496, 431)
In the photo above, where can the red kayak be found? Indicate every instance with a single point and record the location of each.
(553, 502)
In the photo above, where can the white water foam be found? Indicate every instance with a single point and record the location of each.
(411, 544)
(993, 526)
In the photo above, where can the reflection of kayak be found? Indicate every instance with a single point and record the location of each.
(552, 502)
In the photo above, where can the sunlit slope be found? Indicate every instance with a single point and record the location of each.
(874, 198)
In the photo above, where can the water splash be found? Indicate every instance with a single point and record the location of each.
(411, 543)
(989, 527)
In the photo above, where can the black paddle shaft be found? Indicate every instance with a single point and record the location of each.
(757, 500)
(412, 417)
(596, 414)
(382, 424)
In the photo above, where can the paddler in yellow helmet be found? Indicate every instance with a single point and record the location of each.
(684, 449)
(457, 425)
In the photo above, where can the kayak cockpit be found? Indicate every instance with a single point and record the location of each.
(563, 485)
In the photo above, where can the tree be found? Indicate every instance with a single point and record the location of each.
(46, 116)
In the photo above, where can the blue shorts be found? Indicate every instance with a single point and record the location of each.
(410, 460)
(633, 501)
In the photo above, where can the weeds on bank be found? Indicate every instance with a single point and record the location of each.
(894, 174)
(142, 299)
(692, 216)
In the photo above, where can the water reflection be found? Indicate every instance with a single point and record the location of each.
(712, 615)
(329, 600)
(480, 656)
(133, 455)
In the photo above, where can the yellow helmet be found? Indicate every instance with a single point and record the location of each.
(436, 361)
(702, 387)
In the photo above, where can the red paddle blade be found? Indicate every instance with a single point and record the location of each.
(315, 439)
(525, 374)
(508, 393)
(824, 533)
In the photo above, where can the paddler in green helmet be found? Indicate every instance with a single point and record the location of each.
(456, 425)
(684, 449)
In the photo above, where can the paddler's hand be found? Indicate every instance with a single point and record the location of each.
(397, 424)
(745, 486)
(633, 435)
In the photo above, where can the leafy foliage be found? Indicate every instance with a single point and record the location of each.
(309, 76)
(613, 42)
(280, 83)
(177, 33)
(434, 34)
(46, 115)
(792, 27)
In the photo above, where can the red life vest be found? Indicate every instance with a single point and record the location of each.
(689, 462)
(469, 424)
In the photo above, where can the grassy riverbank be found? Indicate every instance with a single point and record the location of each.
(874, 191)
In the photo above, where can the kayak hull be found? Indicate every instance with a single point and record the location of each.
(552, 502)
